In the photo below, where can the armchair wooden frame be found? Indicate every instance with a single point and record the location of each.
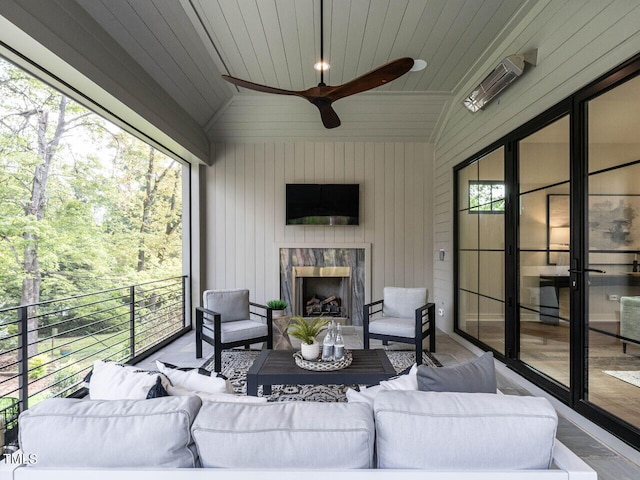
(424, 315)
(203, 328)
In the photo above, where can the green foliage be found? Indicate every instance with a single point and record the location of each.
(64, 378)
(307, 330)
(7, 339)
(110, 199)
(36, 369)
(277, 304)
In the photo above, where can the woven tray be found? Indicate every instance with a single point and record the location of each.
(320, 366)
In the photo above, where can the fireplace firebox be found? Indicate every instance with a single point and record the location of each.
(322, 291)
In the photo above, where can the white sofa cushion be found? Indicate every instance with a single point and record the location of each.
(463, 431)
(285, 435)
(197, 379)
(115, 381)
(66, 432)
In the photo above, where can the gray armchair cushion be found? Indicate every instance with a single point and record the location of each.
(463, 431)
(242, 330)
(399, 327)
(155, 433)
(287, 435)
(476, 376)
(402, 302)
(232, 305)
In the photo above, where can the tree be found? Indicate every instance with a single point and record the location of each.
(39, 127)
(84, 206)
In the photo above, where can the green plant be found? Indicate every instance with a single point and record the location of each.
(305, 330)
(64, 378)
(277, 304)
(36, 369)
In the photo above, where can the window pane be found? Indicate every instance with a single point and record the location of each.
(544, 250)
(85, 205)
(614, 242)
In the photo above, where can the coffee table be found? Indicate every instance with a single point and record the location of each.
(277, 367)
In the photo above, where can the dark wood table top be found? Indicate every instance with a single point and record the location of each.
(278, 367)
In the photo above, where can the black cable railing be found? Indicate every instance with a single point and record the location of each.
(46, 349)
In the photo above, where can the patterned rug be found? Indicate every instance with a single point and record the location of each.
(235, 364)
(629, 376)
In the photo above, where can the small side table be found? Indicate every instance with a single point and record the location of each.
(281, 339)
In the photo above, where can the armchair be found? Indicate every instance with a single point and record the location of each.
(228, 319)
(403, 315)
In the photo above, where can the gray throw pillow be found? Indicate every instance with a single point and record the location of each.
(476, 376)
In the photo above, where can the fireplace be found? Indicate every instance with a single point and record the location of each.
(322, 291)
(326, 272)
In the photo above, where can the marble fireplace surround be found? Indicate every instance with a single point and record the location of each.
(355, 256)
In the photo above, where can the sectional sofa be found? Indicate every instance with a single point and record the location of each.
(402, 434)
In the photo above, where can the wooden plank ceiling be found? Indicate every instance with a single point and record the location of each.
(187, 44)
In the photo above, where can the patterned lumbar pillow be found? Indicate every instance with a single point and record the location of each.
(216, 397)
(115, 381)
(475, 376)
(196, 379)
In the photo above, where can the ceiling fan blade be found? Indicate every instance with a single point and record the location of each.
(257, 87)
(328, 114)
(375, 78)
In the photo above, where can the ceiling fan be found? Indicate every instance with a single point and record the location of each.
(324, 95)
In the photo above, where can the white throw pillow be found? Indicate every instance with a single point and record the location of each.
(365, 394)
(114, 381)
(197, 379)
(216, 397)
(408, 381)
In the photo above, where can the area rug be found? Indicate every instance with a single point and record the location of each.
(235, 364)
(629, 376)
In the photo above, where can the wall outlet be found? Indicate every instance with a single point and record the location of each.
(441, 312)
(613, 298)
(441, 255)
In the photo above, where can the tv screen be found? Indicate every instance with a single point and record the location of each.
(322, 204)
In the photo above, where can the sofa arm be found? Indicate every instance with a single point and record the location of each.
(565, 459)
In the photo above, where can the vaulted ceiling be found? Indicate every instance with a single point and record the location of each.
(186, 45)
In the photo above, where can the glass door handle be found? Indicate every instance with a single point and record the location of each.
(595, 270)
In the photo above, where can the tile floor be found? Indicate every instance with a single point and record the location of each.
(609, 464)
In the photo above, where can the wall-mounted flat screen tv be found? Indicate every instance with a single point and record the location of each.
(323, 204)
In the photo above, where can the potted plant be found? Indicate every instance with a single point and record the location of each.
(307, 331)
(278, 307)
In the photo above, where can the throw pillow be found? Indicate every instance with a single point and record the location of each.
(476, 376)
(406, 380)
(363, 394)
(197, 379)
(114, 381)
(217, 396)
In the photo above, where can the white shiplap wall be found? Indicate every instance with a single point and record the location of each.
(577, 42)
(245, 205)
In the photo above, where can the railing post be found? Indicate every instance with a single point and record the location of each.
(132, 319)
(23, 352)
(184, 300)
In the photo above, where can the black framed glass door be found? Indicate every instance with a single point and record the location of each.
(571, 252)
